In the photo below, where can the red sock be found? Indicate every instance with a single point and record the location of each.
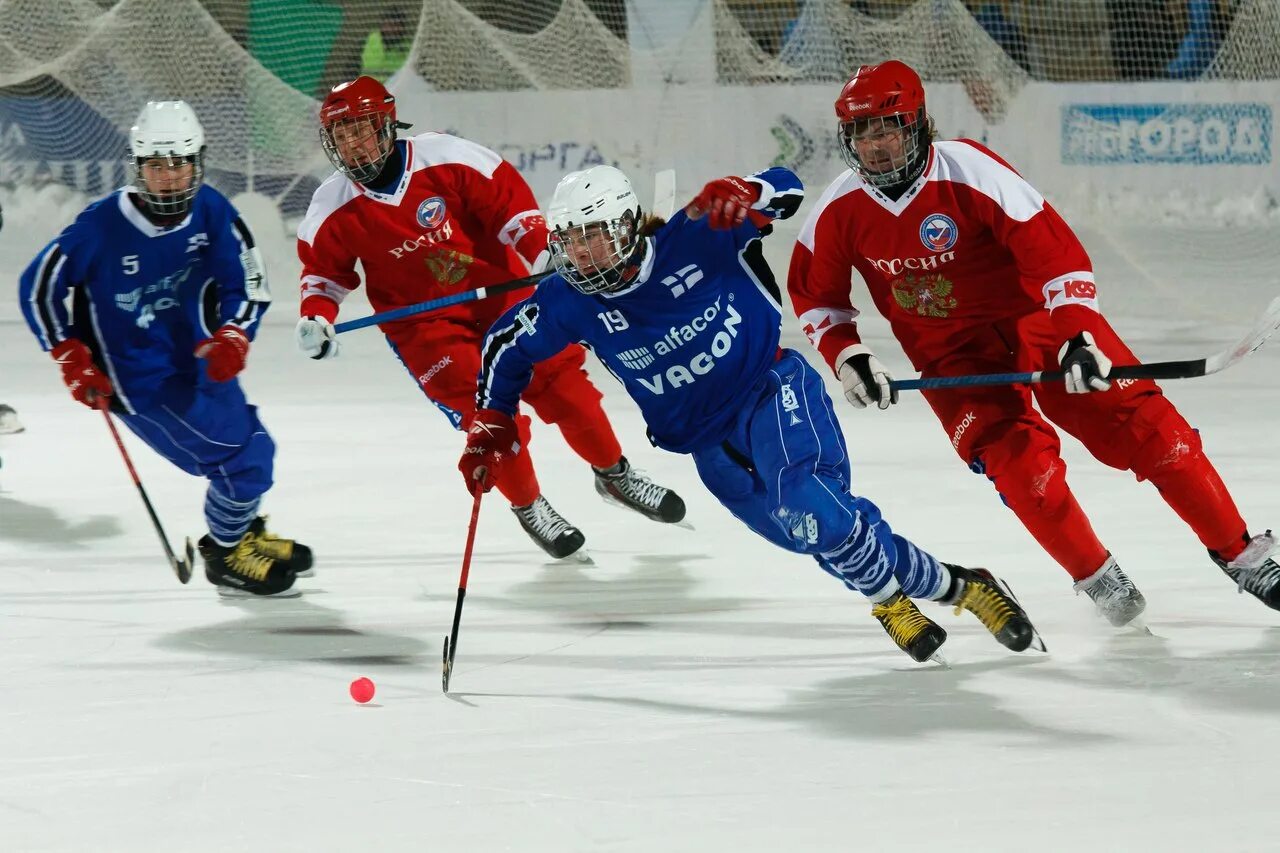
(519, 483)
(1200, 498)
(591, 436)
(1068, 537)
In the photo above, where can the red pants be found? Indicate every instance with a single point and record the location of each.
(443, 356)
(1132, 427)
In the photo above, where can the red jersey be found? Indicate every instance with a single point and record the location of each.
(969, 244)
(459, 218)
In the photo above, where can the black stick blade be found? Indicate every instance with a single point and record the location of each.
(183, 567)
(447, 668)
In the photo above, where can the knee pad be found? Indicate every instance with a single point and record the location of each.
(1161, 439)
(1028, 472)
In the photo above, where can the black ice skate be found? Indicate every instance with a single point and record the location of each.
(1115, 596)
(548, 528)
(626, 486)
(915, 633)
(1255, 571)
(9, 422)
(990, 599)
(242, 571)
(293, 554)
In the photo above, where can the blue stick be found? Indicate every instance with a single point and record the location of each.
(436, 304)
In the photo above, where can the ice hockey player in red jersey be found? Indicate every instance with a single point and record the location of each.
(426, 216)
(977, 273)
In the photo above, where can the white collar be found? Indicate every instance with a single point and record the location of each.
(646, 267)
(896, 207)
(139, 220)
(396, 195)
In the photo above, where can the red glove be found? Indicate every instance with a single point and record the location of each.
(491, 441)
(225, 353)
(725, 202)
(87, 383)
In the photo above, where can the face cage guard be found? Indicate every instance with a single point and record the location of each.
(171, 204)
(370, 169)
(609, 269)
(912, 150)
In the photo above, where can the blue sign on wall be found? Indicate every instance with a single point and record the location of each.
(1178, 134)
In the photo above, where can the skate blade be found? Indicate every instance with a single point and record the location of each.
(612, 501)
(581, 556)
(229, 592)
(940, 659)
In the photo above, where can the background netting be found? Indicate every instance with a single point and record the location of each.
(74, 73)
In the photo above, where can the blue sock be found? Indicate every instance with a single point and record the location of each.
(228, 519)
(863, 563)
(919, 572)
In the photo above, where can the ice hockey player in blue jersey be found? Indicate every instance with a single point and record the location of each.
(166, 291)
(686, 315)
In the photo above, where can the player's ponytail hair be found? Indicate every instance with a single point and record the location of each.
(650, 223)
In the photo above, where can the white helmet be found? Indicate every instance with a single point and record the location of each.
(594, 217)
(167, 133)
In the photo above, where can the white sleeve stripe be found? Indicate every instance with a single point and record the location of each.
(41, 312)
(56, 333)
(961, 163)
(816, 322)
(767, 192)
(318, 285)
(328, 198)
(843, 185)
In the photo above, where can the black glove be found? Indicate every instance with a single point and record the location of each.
(1085, 365)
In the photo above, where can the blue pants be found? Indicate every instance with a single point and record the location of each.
(784, 471)
(211, 431)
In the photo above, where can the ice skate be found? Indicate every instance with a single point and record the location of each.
(992, 602)
(1115, 596)
(242, 571)
(1255, 570)
(293, 554)
(9, 422)
(915, 633)
(626, 486)
(548, 528)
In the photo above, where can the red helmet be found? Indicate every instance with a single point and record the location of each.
(877, 101)
(358, 127)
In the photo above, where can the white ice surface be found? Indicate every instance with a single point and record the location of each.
(691, 691)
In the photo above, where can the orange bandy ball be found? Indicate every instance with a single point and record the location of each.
(362, 690)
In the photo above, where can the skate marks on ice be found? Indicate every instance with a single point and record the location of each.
(899, 705)
(1242, 678)
(650, 585)
(298, 630)
(32, 524)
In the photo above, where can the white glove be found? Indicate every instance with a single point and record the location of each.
(865, 379)
(1084, 364)
(316, 337)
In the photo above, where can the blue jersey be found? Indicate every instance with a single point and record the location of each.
(143, 296)
(688, 337)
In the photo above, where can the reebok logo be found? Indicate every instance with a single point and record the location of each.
(435, 368)
(966, 422)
